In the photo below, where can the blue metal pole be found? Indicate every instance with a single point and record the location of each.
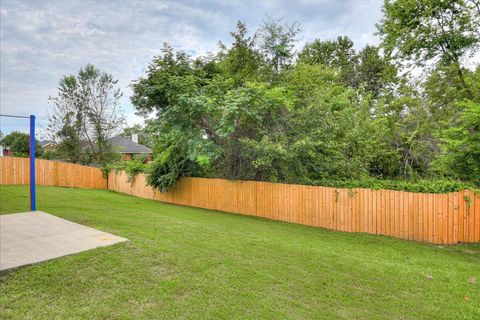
(33, 200)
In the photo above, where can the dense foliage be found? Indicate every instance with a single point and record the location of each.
(131, 167)
(19, 144)
(325, 115)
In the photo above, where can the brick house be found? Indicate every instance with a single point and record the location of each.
(128, 148)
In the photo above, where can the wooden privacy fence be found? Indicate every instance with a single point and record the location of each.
(15, 170)
(434, 218)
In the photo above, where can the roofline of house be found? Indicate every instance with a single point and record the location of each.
(134, 152)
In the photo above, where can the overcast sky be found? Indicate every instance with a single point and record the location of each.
(43, 40)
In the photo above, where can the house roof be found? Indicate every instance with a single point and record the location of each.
(124, 145)
(46, 142)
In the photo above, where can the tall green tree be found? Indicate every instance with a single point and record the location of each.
(242, 61)
(374, 72)
(208, 112)
(85, 113)
(426, 31)
(460, 156)
(276, 40)
(336, 54)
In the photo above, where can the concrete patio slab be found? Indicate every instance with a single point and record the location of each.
(32, 237)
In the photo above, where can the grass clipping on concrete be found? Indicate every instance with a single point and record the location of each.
(198, 264)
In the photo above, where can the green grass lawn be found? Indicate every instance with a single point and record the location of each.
(189, 263)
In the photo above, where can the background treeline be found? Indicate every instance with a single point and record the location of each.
(327, 114)
(401, 115)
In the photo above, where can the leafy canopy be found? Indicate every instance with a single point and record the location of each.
(330, 115)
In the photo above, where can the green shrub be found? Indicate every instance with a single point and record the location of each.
(132, 168)
(420, 185)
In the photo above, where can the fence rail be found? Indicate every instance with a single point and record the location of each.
(434, 218)
(15, 170)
